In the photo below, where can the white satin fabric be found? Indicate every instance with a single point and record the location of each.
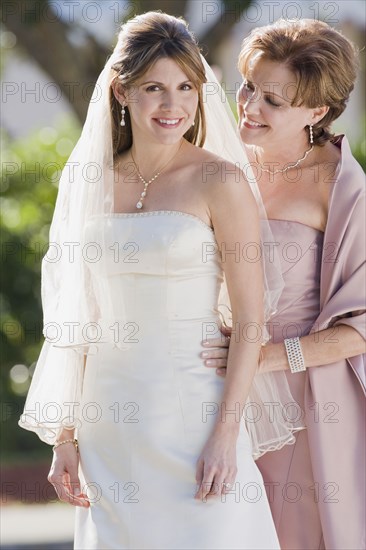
(147, 411)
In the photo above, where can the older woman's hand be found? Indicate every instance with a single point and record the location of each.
(216, 351)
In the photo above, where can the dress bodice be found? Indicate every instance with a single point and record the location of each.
(169, 262)
(171, 267)
(300, 248)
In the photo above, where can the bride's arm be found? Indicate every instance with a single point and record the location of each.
(63, 474)
(236, 225)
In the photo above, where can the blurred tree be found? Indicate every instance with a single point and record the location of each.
(49, 39)
(30, 172)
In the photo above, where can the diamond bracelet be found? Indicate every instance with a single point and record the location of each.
(294, 354)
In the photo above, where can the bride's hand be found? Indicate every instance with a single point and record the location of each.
(216, 466)
(64, 475)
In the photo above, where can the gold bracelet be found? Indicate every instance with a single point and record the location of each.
(74, 441)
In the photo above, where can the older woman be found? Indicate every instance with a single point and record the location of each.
(297, 80)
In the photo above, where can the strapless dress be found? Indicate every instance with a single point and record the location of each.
(148, 410)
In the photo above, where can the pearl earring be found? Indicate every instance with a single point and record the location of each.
(311, 134)
(123, 112)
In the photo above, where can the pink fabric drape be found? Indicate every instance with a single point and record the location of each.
(337, 434)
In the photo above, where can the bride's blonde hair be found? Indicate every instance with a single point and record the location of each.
(142, 41)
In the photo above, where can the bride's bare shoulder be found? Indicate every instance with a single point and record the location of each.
(201, 154)
(212, 167)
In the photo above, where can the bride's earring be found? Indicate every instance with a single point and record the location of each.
(311, 134)
(123, 112)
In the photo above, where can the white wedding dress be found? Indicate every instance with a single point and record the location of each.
(148, 410)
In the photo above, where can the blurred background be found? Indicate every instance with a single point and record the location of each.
(52, 54)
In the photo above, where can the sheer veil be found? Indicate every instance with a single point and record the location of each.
(81, 314)
(271, 413)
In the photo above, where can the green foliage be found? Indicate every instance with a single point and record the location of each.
(359, 152)
(30, 171)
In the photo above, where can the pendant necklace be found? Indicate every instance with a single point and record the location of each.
(140, 202)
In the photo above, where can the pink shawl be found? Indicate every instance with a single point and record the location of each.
(334, 395)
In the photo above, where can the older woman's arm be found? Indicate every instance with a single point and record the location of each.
(319, 348)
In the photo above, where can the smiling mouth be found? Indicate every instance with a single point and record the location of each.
(251, 124)
(168, 122)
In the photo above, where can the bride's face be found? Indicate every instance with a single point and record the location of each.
(266, 116)
(162, 104)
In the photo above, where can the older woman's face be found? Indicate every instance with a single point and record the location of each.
(266, 117)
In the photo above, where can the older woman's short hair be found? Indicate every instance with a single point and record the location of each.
(323, 61)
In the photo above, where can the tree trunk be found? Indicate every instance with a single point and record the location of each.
(172, 7)
(75, 69)
(229, 14)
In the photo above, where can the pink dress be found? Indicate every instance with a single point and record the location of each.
(316, 487)
(288, 474)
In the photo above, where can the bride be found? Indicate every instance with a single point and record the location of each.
(149, 224)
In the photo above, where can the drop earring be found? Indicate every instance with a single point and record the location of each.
(123, 112)
(311, 134)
